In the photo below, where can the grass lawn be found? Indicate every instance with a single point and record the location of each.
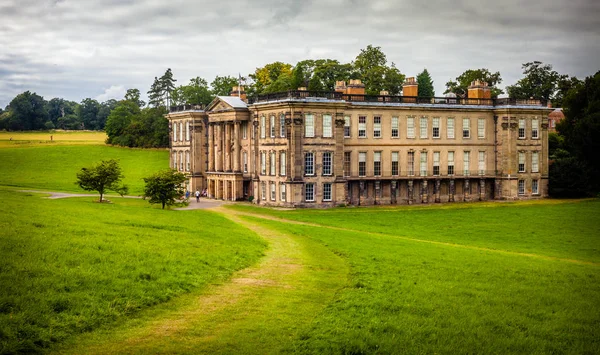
(55, 167)
(72, 265)
(50, 138)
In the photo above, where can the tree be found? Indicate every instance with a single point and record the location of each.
(58, 108)
(87, 113)
(370, 66)
(326, 72)
(263, 77)
(425, 84)
(27, 111)
(222, 85)
(155, 94)
(540, 82)
(133, 95)
(581, 129)
(164, 187)
(102, 177)
(196, 92)
(167, 85)
(564, 85)
(105, 109)
(118, 121)
(460, 86)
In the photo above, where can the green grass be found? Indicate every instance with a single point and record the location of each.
(50, 138)
(72, 265)
(54, 168)
(412, 297)
(564, 229)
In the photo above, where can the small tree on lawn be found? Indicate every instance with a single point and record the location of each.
(164, 187)
(102, 177)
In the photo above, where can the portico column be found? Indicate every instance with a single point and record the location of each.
(211, 147)
(236, 142)
(219, 155)
(227, 146)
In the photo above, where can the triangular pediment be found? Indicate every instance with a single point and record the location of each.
(226, 103)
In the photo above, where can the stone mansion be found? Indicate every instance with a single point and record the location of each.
(318, 149)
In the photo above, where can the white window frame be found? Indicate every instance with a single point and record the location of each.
(466, 130)
(327, 192)
(272, 126)
(181, 131)
(481, 128)
(435, 128)
(245, 161)
(175, 131)
(535, 162)
(522, 125)
(535, 187)
(376, 126)
(436, 163)
(423, 128)
(423, 164)
(263, 190)
(187, 160)
(187, 131)
(327, 126)
(450, 128)
(174, 165)
(377, 163)
(410, 127)
(395, 163)
(245, 130)
(481, 162)
(282, 192)
(273, 191)
(282, 163)
(347, 163)
(362, 126)
(263, 128)
(362, 161)
(327, 163)
(521, 167)
(521, 187)
(309, 125)
(282, 125)
(263, 163)
(467, 163)
(451, 170)
(309, 190)
(410, 163)
(395, 129)
(309, 163)
(535, 129)
(180, 160)
(273, 164)
(347, 127)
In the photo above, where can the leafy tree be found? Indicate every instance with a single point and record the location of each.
(133, 95)
(425, 84)
(58, 107)
(326, 72)
(302, 73)
(222, 85)
(105, 109)
(102, 177)
(167, 85)
(540, 82)
(564, 85)
(370, 66)
(265, 76)
(460, 86)
(283, 83)
(196, 92)
(87, 113)
(164, 187)
(581, 129)
(118, 121)
(27, 112)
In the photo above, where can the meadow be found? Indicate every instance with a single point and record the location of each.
(80, 277)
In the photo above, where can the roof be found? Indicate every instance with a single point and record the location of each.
(557, 114)
(233, 101)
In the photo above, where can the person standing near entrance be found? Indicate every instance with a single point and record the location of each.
(197, 195)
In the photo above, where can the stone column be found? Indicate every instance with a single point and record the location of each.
(481, 189)
(436, 187)
(410, 192)
(211, 147)
(466, 195)
(451, 191)
(219, 149)
(227, 146)
(236, 146)
(298, 137)
(424, 192)
(338, 157)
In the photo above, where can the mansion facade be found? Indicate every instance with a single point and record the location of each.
(319, 149)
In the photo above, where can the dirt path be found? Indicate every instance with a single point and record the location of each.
(267, 304)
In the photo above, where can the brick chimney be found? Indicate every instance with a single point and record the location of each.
(239, 91)
(340, 86)
(355, 87)
(479, 90)
(410, 87)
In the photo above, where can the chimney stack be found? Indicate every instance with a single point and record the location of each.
(239, 91)
(479, 90)
(355, 87)
(340, 86)
(410, 87)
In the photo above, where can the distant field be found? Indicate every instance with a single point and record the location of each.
(54, 167)
(19, 139)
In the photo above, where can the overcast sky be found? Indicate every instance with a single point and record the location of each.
(99, 49)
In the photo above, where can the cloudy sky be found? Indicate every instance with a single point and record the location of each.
(84, 48)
